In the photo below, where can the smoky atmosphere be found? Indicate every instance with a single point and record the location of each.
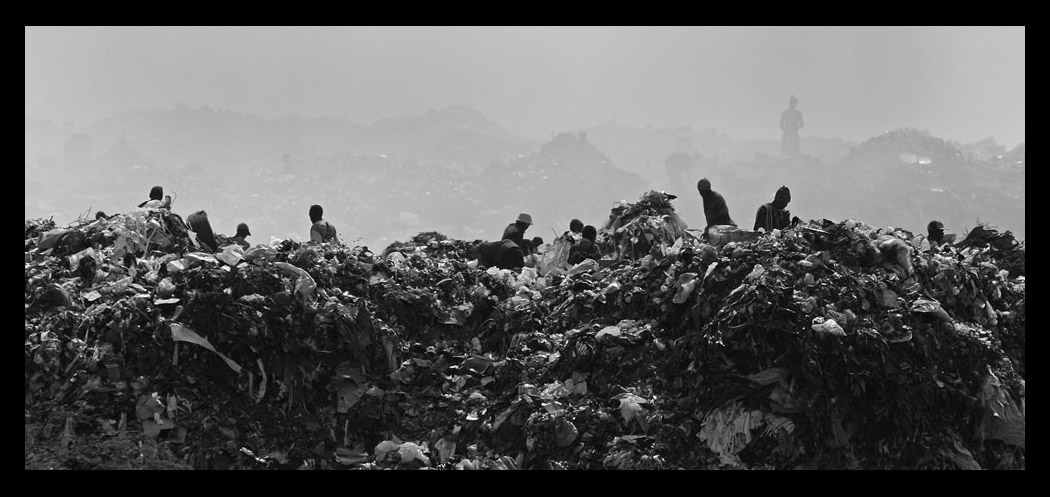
(396, 131)
(525, 247)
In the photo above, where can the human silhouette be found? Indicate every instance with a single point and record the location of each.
(790, 122)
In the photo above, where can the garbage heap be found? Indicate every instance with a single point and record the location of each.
(633, 230)
(836, 345)
(434, 244)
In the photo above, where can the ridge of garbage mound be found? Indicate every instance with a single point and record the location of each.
(831, 345)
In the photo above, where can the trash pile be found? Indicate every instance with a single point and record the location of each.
(634, 229)
(834, 345)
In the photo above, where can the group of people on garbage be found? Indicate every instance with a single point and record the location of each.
(514, 250)
(320, 229)
(770, 216)
(775, 216)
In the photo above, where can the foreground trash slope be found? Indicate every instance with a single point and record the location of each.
(837, 345)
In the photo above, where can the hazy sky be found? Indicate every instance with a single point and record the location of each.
(959, 83)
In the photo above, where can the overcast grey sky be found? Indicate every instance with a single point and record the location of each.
(959, 83)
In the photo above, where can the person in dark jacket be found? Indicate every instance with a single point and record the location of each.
(320, 229)
(586, 248)
(504, 254)
(774, 215)
(715, 209)
(516, 230)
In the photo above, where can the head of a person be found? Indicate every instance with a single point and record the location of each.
(156, 193)
(782, 197)
(935, 230)
(100, 215)
(536, 242)
(242, 230)
(575, 226)
(793, 102)
(703, 186)
(316, 212)
(524, 221)
(590, 233)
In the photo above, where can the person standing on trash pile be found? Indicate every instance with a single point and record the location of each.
(241, 237)
(320, 229)
(504, 254)
(790, 123)
(157, 200)
(774, 215)
(587, 248)
(516, 230)
(716, 211)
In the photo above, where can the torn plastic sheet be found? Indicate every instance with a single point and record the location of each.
(180, 333)
(304, 285)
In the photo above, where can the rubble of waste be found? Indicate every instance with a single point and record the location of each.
(832, 345)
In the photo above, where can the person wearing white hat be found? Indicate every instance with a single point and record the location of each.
(516, 230)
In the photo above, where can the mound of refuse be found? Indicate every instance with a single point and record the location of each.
(834, 345)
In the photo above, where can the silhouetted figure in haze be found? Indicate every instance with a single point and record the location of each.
(321, 230)
(716, 211)
(516, 230)
(587, 248)
(790, 123)
(774, 215)
(157, 199)
(680, 166)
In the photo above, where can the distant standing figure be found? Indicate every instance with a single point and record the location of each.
(716, 211)
(240, 237)
(679, 166)
(774, 215)
(516, 230)
(790, 123)
(320, 229)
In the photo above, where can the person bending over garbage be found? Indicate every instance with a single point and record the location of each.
(516, 230)
(774, 215)
(504, 254)
(716, 211)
